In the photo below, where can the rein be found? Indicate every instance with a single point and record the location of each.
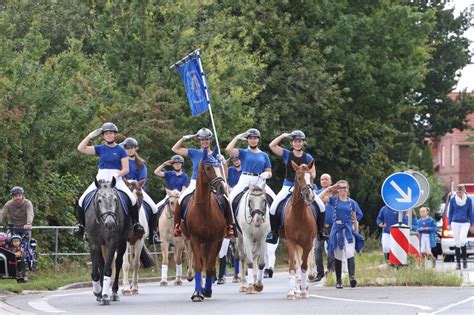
(252, 212)
(100, 216)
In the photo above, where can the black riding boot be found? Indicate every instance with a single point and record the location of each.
(387, 257)
(322, 233)
(154, 235)
(338, 267)
(138, 229)
(464, 256)
(272, 237)
(457, 253)
(221, 278)
(351, 269)
(79, 232)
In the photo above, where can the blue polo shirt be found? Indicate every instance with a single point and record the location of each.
(286, 157)
(110, 158)
(136, 173)
(343, 210)
(195, 155)
(234, 176)
(254, 162)
(177, 182)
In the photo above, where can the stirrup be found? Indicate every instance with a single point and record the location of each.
(79, 231)
(177, 230)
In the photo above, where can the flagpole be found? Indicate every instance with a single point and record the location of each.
(198, 56)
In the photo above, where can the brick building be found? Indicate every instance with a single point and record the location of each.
(453, 156)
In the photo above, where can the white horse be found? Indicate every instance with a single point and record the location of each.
(181, 244)
(137, 250)
(253, 219)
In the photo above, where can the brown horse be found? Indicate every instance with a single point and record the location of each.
(205, 223)
(299, 227)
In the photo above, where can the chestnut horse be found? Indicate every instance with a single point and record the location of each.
(299, 227)
(205, 223)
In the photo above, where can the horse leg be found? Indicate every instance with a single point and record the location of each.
(311, 264)
(197, 263)
(262, 248)
(136, 264)
(95, 272)
(189, 259)
(307, 250)
(106, 289)
(211, 250)
(126, 268)
(121, 248)
(178, 259)
(248, 246)
(290, 249)
(240, 248)
(164, 264)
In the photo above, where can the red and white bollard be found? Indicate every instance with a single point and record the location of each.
(399, 244)
(414, 248)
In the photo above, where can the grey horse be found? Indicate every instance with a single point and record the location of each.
(107, 228)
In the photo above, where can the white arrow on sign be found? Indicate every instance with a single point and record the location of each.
(406, 197)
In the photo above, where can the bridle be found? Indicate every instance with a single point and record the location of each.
(305, 190)
(252, 212)
(102, 216)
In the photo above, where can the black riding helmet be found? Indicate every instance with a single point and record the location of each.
(17, 190)
(204, 133)
(108, 126)
(297, 135)
(177, 159)
(252, 132)
(130, 143)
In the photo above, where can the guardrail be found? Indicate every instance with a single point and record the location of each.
(57, 253)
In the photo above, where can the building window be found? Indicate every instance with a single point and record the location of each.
(442, 156)
(452, 154)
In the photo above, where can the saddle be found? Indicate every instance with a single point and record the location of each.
(123, 197)
(280, 211)
(221, 201)
(236, 201)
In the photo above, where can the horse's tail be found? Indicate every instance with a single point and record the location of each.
(146, 258)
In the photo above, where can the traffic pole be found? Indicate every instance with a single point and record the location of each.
(399, 244)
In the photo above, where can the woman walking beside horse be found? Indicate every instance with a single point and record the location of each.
(344, 240)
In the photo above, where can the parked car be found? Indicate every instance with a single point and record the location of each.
(447, 240)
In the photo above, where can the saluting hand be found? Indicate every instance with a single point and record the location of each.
(243, 136)
(95, 133)
(189, 137)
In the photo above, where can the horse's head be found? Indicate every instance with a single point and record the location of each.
(136, 188)
(304, 180)
(211, 168)
(257, 204)
(107, 204)
(173, 196)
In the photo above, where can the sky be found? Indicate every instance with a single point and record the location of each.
(467, 73)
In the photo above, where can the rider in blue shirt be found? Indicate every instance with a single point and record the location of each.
(113, 163)
(297, 155)
(234, 172)
(385, 219)
(204, 136)
(139, 172)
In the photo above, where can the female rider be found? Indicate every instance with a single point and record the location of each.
(113, 162)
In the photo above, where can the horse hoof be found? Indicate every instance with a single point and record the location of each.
(178, 282)
(242, 289)
(207, 293)
(291, 295)
(236, 279)
(163, 283)
(312, 277)
(250, 289)
(190, 278)
(135, 292)
(115, 297)
(104, 300)
(98, 298)
(197, 296)
(258, 287)
(304, 294)
(126, 292)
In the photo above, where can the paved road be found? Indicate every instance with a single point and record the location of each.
(176, 300)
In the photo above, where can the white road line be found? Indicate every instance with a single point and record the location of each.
(447, 307)
(43, 305)
(426, 308)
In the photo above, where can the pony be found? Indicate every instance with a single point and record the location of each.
(299, 228)
(253, 220)
(107, 227)
(205, 223)
(136, 246)
(181, 244)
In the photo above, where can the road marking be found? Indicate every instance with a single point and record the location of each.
(43, 305)
(447, 307)
(426, 308)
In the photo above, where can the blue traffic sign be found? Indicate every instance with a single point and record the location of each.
(401, 191)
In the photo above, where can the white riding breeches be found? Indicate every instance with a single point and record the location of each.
(107, 174)
(347, 251)
(270, 257)
(224, 247)
(150, 202)
(460, 231)
(189, 190)
(386, 243)
(247, 180)
(285, 191)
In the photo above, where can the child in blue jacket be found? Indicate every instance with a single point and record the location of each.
(427, 230)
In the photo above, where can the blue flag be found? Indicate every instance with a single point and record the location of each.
(194, 84)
